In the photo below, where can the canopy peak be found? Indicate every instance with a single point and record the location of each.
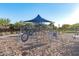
(38, 19)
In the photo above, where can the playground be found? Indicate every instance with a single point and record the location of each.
(39, 40)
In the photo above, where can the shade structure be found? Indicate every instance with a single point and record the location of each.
(38, 19)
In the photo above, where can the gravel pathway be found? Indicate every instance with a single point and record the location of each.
(64, 46)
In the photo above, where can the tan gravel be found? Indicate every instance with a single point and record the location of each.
(11, 47)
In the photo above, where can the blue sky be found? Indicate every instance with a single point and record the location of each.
(56, 12)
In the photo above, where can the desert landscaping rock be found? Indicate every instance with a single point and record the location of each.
(11, 47)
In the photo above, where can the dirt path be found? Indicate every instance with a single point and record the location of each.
(74, 47)
(5, 36)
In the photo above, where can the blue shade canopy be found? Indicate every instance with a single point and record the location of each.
(38, 19)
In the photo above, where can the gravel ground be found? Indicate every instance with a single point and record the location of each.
(63, 46)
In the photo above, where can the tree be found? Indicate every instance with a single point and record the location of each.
(29, 24)
(4, 22)
(65, 27)
(19, 24)
(52, 26)
(11, 28)
(75, 27)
